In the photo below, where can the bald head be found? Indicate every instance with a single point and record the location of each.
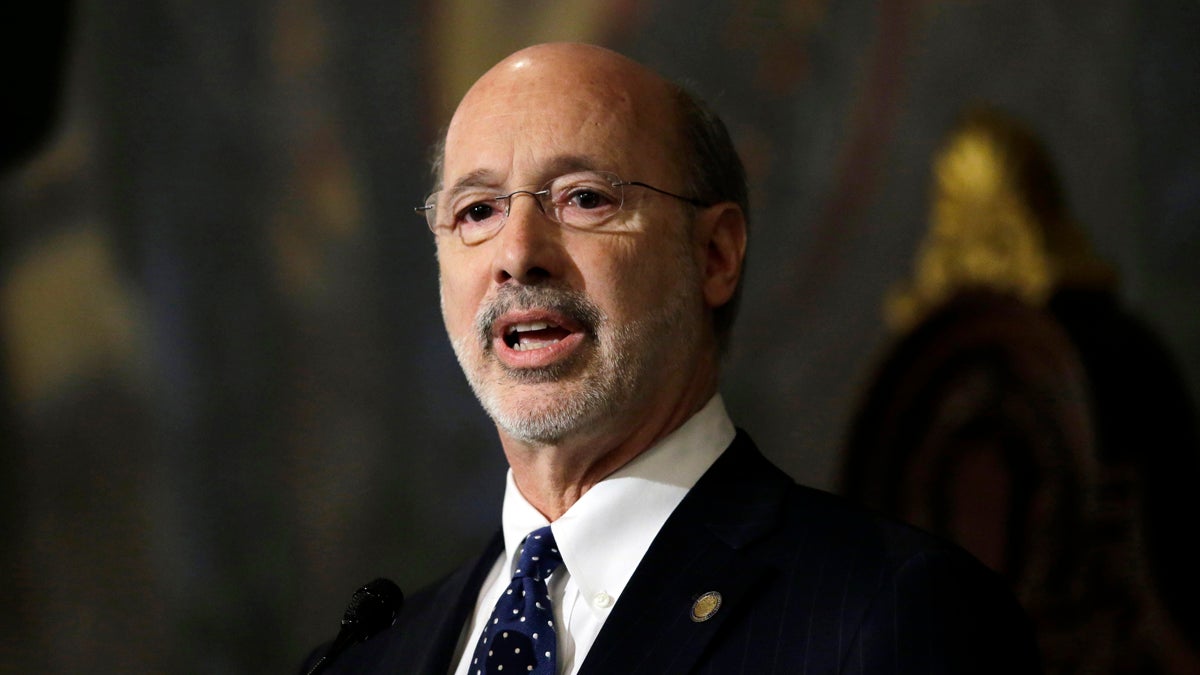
(573, 100)
(574, 64)
(571, 70)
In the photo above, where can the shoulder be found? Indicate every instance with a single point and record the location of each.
(745, 493)
(893, 597)
(873, 553)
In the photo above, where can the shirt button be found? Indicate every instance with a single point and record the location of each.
(602, 600)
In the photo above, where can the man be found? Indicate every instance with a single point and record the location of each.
(591, 228)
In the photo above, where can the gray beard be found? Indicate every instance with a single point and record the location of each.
(620, 360)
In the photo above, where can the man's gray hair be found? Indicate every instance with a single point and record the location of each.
(714, 173)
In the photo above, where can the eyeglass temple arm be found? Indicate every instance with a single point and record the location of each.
(690, 200)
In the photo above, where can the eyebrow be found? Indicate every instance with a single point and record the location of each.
(556, 166)
(476, 178)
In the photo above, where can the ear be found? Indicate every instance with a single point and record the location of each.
(720, 245)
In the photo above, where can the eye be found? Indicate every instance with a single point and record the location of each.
(478, 212)
(475, 211)
(588, 199)
(585, 198)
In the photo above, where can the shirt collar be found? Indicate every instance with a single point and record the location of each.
(605, 534)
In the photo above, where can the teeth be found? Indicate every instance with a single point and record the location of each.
(530, 345)
(528, 326)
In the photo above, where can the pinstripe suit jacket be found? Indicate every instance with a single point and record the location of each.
(807, 583)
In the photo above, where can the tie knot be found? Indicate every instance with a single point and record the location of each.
(539, 555)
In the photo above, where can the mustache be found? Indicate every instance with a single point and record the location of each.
(571, 303)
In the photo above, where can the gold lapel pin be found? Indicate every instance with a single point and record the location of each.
(706, 606)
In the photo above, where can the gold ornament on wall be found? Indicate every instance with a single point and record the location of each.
(997, 221)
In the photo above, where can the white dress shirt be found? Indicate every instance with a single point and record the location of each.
(604, 535)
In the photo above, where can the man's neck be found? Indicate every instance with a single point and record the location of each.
(552, 477)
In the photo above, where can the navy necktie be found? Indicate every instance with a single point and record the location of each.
(519, 636)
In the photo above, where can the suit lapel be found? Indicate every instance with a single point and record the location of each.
(449, 630)
(659, 626)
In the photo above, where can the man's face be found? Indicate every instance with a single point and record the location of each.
(558, 329)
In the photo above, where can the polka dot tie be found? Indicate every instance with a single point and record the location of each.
(519, 636)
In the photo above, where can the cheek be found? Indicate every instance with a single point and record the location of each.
(631, 279)
(609, 273)
(459, 296)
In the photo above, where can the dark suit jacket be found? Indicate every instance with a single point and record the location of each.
(808, 585)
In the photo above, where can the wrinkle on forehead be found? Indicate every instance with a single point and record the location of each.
(551, 168)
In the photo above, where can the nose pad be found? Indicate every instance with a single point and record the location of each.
(538, 198)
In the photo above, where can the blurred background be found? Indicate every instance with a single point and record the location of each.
(226, 396)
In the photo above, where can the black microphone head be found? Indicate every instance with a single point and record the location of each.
(373, 608)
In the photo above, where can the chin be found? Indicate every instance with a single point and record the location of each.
(546, 406)
(546, 420)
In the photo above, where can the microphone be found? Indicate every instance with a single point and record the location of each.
(373, 608)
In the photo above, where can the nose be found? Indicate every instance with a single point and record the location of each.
(529, 247)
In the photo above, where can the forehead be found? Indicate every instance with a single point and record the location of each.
(523, 120)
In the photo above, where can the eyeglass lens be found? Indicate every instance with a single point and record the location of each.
(581, 199)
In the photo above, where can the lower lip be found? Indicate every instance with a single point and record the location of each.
(537, 358)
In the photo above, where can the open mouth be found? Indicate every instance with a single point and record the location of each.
(530, 335)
